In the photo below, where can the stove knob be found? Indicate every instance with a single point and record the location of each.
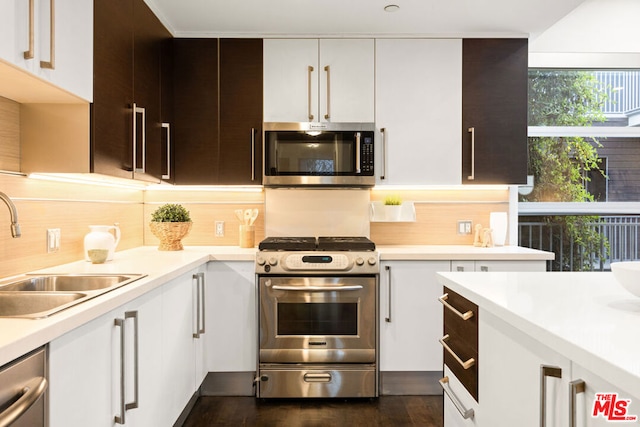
(260, 260)
(359, 261)
(273, 261)
(372, 261)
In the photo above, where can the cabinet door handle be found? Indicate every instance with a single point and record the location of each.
(575, 387)
(309, 70)
(139, 110)
(200, 305)
(546, 371)
(464, 412)
(383, 166)
(472, 131)
(465, 365)
(464, 316)
(29, 54)
(253, 154)
(136, 376)
(167, 128)
(51, 64)
(120, 419)
(388, 318)
(328, 70)
(29, 394)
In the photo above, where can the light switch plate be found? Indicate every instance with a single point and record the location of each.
(219, 228)
(53, 240)
(464, 226)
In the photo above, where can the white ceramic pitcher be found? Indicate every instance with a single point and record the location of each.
(102, 237)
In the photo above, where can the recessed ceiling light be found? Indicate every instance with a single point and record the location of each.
(391, 8)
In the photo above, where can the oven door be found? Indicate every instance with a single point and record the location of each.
(340, 155)
(317, 319)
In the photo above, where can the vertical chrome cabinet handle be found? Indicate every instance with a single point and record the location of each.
(136, 376)
(120, 419)
(196, 333)
(23, 400)
(202, 302)
(358, 168)
(472, 131)
(575, 387)
(51, 64)
(139, 110)
(464, 412)
(310, 70)
(328, 70)
(388, 318)
(383, 166)
(546, 371)
(253, 154)
(167, 127)
(29, 54)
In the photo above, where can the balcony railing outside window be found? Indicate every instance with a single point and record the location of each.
(622, 236)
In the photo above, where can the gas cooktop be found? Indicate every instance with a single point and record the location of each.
(339, 243)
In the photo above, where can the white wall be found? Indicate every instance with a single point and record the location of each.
(598, 33)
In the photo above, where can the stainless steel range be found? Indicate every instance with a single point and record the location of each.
(318, 317)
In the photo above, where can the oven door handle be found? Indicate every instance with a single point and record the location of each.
(317, 288)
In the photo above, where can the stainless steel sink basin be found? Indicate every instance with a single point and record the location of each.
(41, 304)
(41, 295)
(65, 283)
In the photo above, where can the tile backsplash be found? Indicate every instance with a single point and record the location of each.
(73, 207)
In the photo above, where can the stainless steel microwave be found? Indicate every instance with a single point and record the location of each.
(318, 154)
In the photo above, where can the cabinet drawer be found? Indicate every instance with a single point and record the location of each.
(460, 339)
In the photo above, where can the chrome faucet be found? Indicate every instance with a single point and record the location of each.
(15, 227)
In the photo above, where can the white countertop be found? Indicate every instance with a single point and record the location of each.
(461, 252)
(19, 336)
(587, 317)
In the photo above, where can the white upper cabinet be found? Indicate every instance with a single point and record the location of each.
(59, 50)
(418, 111)
(310, 80)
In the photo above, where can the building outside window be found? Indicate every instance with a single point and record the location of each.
(584, 157)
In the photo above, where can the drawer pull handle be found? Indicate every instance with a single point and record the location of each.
(546, 371)
(465, 413)
(575, 387)
(464, 316)
(317, 378)
(466, 365)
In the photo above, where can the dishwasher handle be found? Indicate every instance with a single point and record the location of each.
(31, 392)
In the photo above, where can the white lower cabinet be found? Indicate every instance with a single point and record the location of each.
(232, 331)
(408, 298)
(88, 365)
(488, 266)
(92, 369)
(598, 403)
(518, 378)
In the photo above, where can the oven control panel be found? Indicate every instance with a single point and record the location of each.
(286, 262)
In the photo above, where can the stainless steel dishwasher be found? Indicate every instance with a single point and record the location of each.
(23, 391)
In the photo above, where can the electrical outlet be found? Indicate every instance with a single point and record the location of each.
(464, 226)
(53, 240)
(219, 228)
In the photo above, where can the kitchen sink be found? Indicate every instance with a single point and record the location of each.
(41, 304)
(41, 295)
(65, 283)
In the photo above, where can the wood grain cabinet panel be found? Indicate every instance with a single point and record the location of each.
(494, 105)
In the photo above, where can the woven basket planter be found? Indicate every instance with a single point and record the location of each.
(170, 234)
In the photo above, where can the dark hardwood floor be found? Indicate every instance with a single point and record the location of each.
(424, 411)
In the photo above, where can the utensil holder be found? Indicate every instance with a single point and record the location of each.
(247, 236)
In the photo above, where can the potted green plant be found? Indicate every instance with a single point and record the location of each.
(393, 207)
(170, 223)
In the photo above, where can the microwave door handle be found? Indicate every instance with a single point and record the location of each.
(358, 166)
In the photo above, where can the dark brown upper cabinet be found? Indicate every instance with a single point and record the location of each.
(218, 111)
(494, 111)
(126, 123)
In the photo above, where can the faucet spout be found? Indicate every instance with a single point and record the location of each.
(15, 227)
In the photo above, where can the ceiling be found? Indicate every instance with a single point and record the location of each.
(427, 18)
